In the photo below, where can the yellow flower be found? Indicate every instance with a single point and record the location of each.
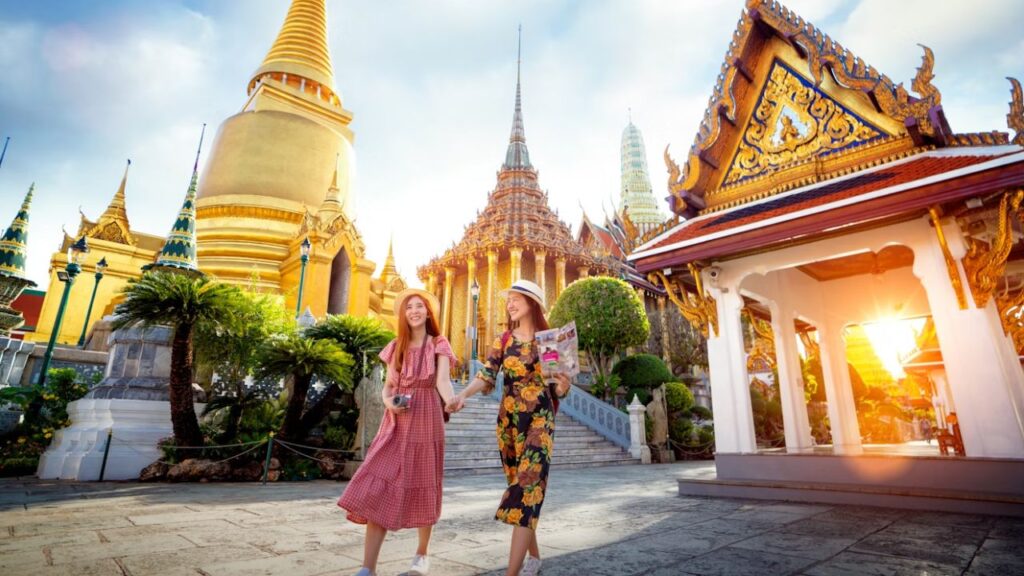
(509, 403)
(546, 442)
(530, 393)
(538, 422)
(47, 435)
(524, 465)
(514, 516)
(21, 440)
(515, 366)
(533, 496)
(501, 514)
(521, 406)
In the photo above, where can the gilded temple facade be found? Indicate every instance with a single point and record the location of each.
(516, 236)
(277, 173)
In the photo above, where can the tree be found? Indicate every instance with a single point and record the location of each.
(301, 359)
(687, 348)
(182, 302)
(609, 318)
(229, 350)
(362, 338)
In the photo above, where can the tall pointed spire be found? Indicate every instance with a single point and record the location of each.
(116, 209)
(518, 157)
(179, 252)
(389, 270)
(636, 200)
(301, 46)
(14, 241)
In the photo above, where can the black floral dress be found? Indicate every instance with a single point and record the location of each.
(526, 429)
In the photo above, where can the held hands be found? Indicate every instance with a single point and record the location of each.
(455, 404)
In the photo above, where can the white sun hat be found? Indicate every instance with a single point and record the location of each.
(528, 289)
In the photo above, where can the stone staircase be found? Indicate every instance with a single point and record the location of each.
(471, 447)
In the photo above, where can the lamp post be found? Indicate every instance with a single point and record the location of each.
(475, 291)
(305, 247)
(76, 252)
(101, 267)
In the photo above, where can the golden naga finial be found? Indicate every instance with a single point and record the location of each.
(898, 104)
(1015, 117)
(699, 309)
(985, 263)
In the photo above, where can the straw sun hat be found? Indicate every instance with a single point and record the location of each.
(432, 304)
(528, 289)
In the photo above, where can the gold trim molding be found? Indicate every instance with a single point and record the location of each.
(951, 267)
(985, 262)
(699, 309)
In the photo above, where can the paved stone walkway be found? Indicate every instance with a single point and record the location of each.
(603, 521)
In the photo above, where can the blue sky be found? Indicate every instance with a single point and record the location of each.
(86, 85)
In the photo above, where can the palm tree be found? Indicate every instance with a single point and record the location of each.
(182, 302)
(361, 338)
(301, 359)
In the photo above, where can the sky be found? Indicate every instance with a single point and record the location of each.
(431, 83)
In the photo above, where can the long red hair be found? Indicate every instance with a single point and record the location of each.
(405, 332)
(536, 314)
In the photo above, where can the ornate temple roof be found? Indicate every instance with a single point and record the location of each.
(14, 241)
(517, 212)
(301, 45)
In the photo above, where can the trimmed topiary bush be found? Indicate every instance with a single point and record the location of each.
(678, 397)
(700, 412)
(643, 371)
(681, 430)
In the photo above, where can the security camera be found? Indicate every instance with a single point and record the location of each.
(714, 273)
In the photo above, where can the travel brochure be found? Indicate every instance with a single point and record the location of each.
(559, 351)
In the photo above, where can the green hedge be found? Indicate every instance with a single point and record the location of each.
(678, 397)
(643, 371)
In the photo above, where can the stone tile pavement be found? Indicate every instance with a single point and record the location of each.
(619, 520)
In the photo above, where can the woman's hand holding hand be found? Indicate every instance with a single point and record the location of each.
(563, 384)
(455, 404)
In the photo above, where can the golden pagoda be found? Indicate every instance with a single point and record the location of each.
(516, 236)
(279, 173)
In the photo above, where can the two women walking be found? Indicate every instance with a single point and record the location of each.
(399, 485)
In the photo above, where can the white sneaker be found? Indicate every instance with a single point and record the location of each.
(531, 567)
(420, 566)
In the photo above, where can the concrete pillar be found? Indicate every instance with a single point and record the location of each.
(470, 277)
(515, 264)
(734, 418)
(638, 432)
(842, 412)
(492, 291)
(446, 307)
(983, 371)
(791, 387)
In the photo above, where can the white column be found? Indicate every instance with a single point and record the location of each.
(842, 411)
(791, 387)
(730, 388)
(983, 371)
(638, 432)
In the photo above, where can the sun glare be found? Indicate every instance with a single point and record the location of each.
(892, 340)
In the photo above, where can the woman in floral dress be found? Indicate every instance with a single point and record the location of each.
(526, 420)
(399, 484)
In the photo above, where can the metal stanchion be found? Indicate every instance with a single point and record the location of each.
(266, 464)
(106, 452)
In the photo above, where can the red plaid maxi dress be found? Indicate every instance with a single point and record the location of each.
(399, 484)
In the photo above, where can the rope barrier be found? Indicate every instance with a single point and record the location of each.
(279, 441)
(255, 444)
(305, 455)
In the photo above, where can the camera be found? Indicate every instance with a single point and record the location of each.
(714, 273)
(401, 400)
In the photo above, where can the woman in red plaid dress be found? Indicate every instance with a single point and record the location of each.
(399, 484)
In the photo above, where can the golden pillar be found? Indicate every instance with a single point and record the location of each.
(359, 287)
(559, 276)
(492, 290)
(584, 271)
(470, 277)
(515, 263)
(666, 351)
(432, 283)
(539, 258)
(446, 308)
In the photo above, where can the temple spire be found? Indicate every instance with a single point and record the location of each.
(116, 209)
(179, 252)
(389, 270)
(14, 241)
(301, 46)
(518, 157)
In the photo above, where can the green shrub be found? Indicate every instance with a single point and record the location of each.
(678, 397)
(338, 438)
(705, 435)
(299, 468)
(700, 412)
(681, 430)
(757, 404)
(642, 393)
(643, 371)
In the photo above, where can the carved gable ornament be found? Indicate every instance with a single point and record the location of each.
(794, 121)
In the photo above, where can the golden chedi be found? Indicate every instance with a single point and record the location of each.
(279, 172)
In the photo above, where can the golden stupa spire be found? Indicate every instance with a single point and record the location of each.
(116, 210)
(301, 45)
(390, 270)
(332, 202)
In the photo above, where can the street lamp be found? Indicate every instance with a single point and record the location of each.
(76, 253)
(101, 267)
(305, 247)
(475, 291)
